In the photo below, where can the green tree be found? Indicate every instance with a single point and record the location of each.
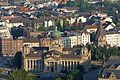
(80, 25)
(20, 74)
(75, 75)
(66, 25)
(16, 32)
(83, 5)
(57, 23)
(71, 4)
(70, 77)
(115, 15)
(107, 3)
(58, 78)
(42, 28)
(18, 60)
(74, 27)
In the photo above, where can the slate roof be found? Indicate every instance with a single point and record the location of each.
(33, 40)
(40, 48)
(90, 27)
(52, 52)
(113, 60)
(112, 32)
(112, 66)
(33, 55)
(70, 49)
(69, 56)
(107, 73)
(15, 20)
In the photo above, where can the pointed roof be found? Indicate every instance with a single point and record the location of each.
(100, 30)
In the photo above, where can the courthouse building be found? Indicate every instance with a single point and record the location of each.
(54, 60)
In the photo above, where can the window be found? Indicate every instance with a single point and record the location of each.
(28, 63)
(31, 63)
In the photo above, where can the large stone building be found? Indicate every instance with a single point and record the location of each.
(35, 42)
(54, 60)
(10, 46)
(28, 43)
(5, 32)
(45, 42)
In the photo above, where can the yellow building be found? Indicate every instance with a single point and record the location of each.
(55, 60)
(33, 63)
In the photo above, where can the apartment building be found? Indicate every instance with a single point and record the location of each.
(9, 46)
(80, 38)
(113, 38)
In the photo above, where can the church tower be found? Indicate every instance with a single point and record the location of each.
(100, 35)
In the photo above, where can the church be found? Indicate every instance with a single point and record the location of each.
(100, 39)
(55, 59)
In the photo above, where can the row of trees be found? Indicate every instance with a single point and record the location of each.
(19, 73)
(101, 53)
(66, 25)
(74, 75)
(63, 26)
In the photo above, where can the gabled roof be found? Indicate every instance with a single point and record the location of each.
(107, 73)
(113, 60)
(90, 27)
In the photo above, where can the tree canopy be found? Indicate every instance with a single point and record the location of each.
(18, 60)
(100, 53)
(19, 74)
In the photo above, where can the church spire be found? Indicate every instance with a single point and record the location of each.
(100, 30)
(100, 35)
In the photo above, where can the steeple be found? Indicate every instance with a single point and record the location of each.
(100, 35)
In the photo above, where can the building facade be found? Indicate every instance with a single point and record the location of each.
(113, 38)
(45, 42)
(81, 38)
(100, 36)
(54, 60)
(33, 63)
(10, 46)
(111, 69)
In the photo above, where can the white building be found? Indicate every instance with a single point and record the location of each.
(5, 32)
(69, 41)
(113, 38)
(11, 21)
(49, 23)
(81, 38)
